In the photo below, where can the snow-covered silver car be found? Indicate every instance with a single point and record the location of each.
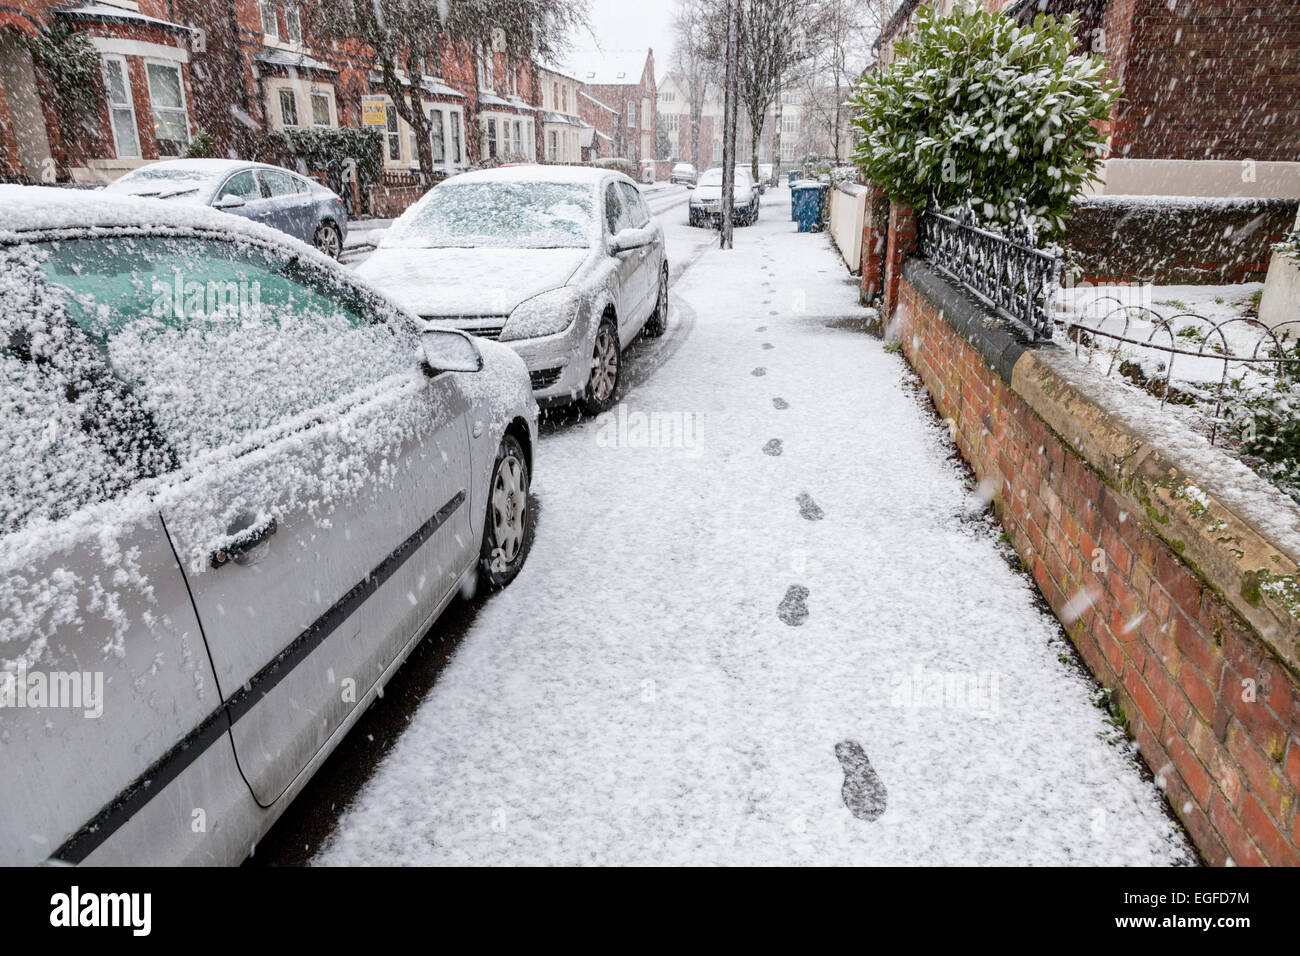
(563, 263)
(236, 488)
(273, 196)
(706, 199)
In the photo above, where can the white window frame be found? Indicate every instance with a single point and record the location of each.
(129, 107)
(631, 114)
(438, 125)
(263, 8)
(329, 109)
(456, 145)
(293, 24)
(297, 113)
(183, 108)
(392, 134)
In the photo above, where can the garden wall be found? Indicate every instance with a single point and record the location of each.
(1175, 240)
(1172, 568)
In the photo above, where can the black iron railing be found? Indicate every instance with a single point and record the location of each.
(1002, 267)
(1145, 345)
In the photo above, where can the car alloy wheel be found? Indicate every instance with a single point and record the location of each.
(507, 532)
(327, 239)
(605, 360)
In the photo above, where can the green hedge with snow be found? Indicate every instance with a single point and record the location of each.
(975, 103)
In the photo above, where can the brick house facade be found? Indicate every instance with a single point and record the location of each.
(146, 113)
(621, 100)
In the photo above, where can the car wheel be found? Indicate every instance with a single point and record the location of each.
(508, 529)
(657, 324)
(606, 363)
(328, 239)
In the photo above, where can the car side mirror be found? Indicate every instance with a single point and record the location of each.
(627, 239)
(228, 201)
(690, 185)
(446, 350)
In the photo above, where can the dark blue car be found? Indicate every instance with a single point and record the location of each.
(271, 195)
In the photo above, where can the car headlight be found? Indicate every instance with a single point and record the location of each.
(543, 314)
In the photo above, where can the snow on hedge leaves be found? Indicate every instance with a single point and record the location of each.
(975, 102)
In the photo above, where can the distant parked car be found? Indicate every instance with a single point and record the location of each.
(760, 184)
(706, 201)
(273, 196)
(683, 174)
(562, 263)
(236, 488)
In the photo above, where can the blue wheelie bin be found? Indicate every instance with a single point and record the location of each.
(807, 202)
(790, 176)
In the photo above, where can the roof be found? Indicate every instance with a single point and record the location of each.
(550, 67)
(287, 58)
(25, 209)
(896, 22)
(106, 13)
(609, 67)
(536, 173)
(551, 117)
(585, 94)
(428, 84)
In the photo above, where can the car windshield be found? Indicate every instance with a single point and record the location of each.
(714, 178)
(170, 183)
(509, 215)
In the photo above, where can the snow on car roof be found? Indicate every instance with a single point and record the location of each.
(537, 173)
(27, 209)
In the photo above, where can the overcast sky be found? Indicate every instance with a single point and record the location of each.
(632, 24)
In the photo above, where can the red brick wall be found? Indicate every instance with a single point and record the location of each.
(1205, 79)
(1174, 654)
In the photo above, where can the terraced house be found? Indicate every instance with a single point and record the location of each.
(48, 133)
(174, 70)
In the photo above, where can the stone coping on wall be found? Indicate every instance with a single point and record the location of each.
(1240, 534)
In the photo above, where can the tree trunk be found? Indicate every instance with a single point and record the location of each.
(729, 131)
(776, 136)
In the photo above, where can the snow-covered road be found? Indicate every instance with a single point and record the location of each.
(777, 635)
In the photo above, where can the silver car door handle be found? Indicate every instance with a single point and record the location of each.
(247, 540)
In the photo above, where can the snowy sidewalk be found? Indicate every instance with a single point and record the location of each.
(784, 641)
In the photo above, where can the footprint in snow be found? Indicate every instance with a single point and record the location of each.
(760, 371)
(780, 403)
(863, 792)
(793, 609)
(774, 312)
(768, 345)
(761, 328)
(774, 447)
(808, 508)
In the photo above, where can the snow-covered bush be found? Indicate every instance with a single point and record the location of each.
(976, 103)
(1267, 421)
(1290, 247)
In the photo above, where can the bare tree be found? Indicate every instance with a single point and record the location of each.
(408, 38)
(699, 28)
(846, 29)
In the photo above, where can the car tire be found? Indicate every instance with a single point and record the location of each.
(508, 526)
(606, 367)
(328, 239)
(657, 324)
